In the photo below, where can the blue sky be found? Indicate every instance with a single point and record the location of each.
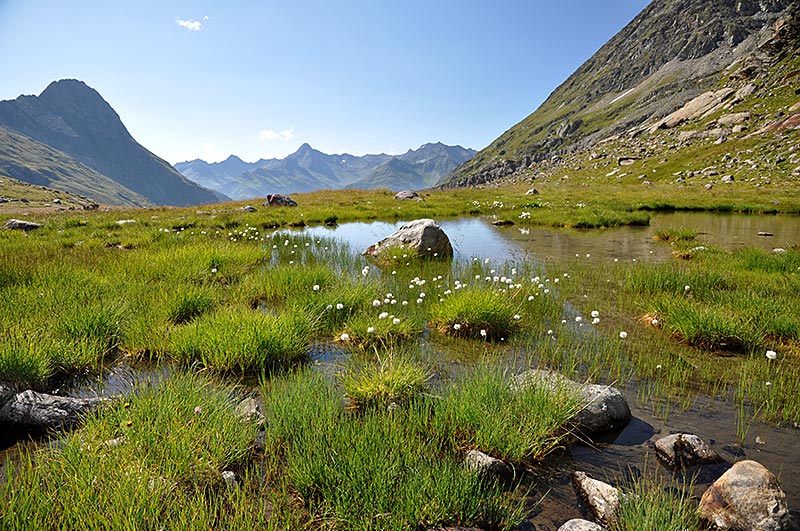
(204, 79)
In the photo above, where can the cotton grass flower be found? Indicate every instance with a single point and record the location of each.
(771, 355)
(339, 306)
(623, 334)
(370, 329)
(595, 313)
(457, 326)
(483, 332)
(345, 337)
(396, 321)
(316, 287)
(383, 315)
(596, 320)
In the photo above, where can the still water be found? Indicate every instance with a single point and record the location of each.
(472, 237)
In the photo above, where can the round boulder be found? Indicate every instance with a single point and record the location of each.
(422, 236)
(21, 224)
(577, 524)
(746, 498)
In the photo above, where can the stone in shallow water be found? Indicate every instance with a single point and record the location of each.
(601, 498)
(605, 407)
(746, 498)
(45, 411)
(681, 450)
(577, 524)
(423, 237)
(486, 464)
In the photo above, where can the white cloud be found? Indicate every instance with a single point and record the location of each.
(193, 25)
(269, 134)
(205, 18)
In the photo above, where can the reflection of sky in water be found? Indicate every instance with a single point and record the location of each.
(477, 237)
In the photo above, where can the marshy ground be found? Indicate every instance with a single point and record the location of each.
(374, 379)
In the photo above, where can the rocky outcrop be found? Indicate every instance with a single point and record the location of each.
(601, 498)
(702, 105)
(683, 450)
(19, 224)
(746, 498)
(279, 200)
(422, 236)
(40, 410)
(577, 524)
(605, 407)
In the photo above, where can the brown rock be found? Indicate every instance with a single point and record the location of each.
(746, 498)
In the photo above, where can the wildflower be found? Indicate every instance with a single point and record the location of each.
(596, 320)
(383, 315)
(483, 332)
(530, 298)
(419, 301)
(771, 355)
(376, 302)
(316, 287)
(687, 287)
(405, 303)
(654, 322)
(365, 271)
(549, 332)
(658, 367)
(213, 270)
(623, 334)
(198, 410)
(767, 383)
(578, 319)
(396, 321)
(370, 329)
(457, 326)
(595, 313)
(329, 307)
(345, 337)
(517, 316)
(339, 306)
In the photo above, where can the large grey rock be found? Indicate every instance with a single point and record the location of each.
(21, 224)
(601, 498)
(605, 407)
(408, 195)
(45, 411)
(279, 200)
(682, 450)
(422, 236)
(486, 464)
(577, 524)
(746, 498)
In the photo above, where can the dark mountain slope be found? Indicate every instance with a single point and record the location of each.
(672, 51)
(73, 118)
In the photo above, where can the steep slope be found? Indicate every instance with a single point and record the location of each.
(73, 118)
(32, 162)
(671, 52)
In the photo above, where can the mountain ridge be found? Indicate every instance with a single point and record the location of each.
(308, 169)
(73, 118)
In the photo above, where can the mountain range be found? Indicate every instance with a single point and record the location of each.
(308, 169)
(672, 52)
(70, 138)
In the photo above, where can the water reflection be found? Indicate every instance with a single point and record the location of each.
(478, 237)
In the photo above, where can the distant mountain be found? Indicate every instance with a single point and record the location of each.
(32, 162)
(309, 169)
(72, 118)
(670, 53)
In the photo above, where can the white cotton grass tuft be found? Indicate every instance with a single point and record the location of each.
(623, 334)
(771, 355)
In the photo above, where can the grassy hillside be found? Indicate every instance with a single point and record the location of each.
(40, 165)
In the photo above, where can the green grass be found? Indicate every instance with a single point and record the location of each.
(389, 379)
(243, 340)
(140, 464)
(376, 470)
(654, 503)
(477, 312)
